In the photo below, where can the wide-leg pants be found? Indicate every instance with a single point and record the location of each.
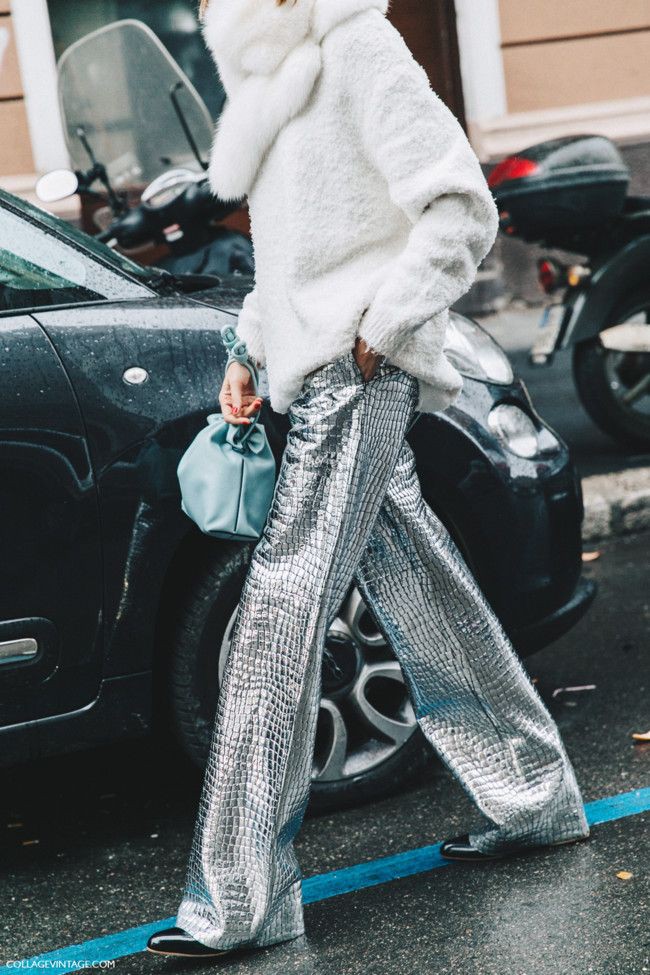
(348, 507)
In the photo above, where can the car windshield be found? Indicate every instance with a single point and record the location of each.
(80, 239)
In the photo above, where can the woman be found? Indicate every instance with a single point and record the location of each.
(370, 216)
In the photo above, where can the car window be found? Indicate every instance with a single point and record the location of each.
(38, 270)
(47, 222)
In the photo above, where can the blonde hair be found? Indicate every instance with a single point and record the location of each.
(205, 3)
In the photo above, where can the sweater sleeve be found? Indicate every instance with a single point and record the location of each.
(434, 176)
(249, 328)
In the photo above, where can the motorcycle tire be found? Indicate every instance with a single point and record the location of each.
(592, 371)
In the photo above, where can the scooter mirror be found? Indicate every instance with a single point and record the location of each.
(57, 185)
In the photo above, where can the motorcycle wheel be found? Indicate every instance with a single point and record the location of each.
(614, 387)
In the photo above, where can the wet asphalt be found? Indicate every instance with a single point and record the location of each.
(97, 842)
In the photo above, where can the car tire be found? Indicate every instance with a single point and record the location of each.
(197, 641)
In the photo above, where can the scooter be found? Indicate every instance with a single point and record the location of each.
(153, 133)
(571, 194)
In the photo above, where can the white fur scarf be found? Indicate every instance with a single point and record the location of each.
(269, 59)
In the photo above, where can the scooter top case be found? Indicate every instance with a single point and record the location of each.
(560, 188)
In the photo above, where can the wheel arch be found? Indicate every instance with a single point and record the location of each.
(190, 560)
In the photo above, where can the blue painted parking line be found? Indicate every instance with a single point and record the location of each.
(317, 888)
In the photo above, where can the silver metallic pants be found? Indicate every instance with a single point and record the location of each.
(348, 507)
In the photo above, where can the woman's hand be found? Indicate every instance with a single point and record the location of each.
(237, 398)
(366, 359)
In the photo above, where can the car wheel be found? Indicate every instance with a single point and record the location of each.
(367, 742)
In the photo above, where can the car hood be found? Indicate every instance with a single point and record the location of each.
(229, 295)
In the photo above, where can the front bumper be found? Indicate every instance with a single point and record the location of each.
(517, 520)
(532, 637)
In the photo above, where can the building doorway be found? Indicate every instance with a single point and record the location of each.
(429, 29)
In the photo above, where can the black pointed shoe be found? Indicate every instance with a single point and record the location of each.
(460, 848)
(176, 941)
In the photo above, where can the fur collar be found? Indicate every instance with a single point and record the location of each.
(269, 59)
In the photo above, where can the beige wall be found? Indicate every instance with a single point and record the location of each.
(10, 83)
(15, 146)
(570, 52)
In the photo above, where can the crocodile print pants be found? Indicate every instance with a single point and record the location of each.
(348, 507)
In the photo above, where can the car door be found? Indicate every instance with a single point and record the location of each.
(50, 545)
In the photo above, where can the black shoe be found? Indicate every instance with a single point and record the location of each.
(460, 848)
(175, 941)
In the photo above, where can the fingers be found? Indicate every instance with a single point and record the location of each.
(236, 392)
(250, 408)
(242, 413)
(236, 420)
(242, 395)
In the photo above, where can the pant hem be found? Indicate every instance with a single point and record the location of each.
(284, 922)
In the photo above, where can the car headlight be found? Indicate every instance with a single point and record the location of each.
(474, 353)
(514, 429)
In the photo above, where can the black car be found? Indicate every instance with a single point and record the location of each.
(115, 611)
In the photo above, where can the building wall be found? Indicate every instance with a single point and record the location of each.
(538, 69)
(559, 53)
(15, 145)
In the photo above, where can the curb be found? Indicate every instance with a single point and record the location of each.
(616, 504)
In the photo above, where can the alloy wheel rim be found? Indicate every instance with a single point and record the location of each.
(628, 373)
(365, 714)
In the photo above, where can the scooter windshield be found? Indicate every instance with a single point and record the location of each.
(117, 88)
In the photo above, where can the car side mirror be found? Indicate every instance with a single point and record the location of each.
(57, 185)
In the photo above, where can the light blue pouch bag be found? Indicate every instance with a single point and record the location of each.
(227, 474)
(227, 479)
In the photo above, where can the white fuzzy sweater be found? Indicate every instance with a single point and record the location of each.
(369, 210)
